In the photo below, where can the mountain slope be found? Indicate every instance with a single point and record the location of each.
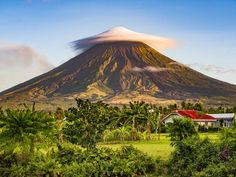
(108, 70)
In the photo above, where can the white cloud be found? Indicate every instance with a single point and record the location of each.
(155, 69)
(210, 68)
(123, 34)
(218, 72)
(19, 63)
(137, 69)
(149, 69)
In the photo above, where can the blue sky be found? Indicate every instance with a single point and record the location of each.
(204, 29)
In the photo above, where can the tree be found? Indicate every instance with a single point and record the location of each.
(85, 125)
(180, 129)
(198, 107)
(183, 105)
(59, 116)
(140, 113)
(21, 129)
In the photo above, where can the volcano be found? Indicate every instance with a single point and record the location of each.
(118, 72)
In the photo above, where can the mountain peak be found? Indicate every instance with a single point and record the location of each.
(117, 72)
(119, 66)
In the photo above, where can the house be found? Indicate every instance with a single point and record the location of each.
(201, 119)
(224, 119)
(215, 120)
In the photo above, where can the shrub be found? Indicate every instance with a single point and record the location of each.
(125, 133)
(192, 155)
(202, 158)
(219, 170)
(127, 161)
(181, 129)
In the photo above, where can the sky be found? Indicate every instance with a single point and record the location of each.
(36, 35)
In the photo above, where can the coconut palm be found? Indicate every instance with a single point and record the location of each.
(20, 129)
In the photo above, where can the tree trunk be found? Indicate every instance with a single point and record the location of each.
(32, 145)
(159, 132)
(159, 126)
(148, 131)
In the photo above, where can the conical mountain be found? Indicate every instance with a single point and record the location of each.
(121, 70)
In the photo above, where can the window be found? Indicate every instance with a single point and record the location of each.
(225, 124)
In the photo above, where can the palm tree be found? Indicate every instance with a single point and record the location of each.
(141, 113)
(20, 129)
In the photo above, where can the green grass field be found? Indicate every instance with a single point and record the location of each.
(155, 148)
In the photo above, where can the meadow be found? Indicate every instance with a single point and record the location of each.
(154, 147)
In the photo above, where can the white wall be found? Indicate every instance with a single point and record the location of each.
(171, 117)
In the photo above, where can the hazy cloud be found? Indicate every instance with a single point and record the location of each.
(213, 68)
(150, 69)
(123, 34)
(155, 69)
(19, 63)
(137, 69)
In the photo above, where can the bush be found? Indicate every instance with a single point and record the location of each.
(191, 155)
(219, 170)
(71, 161)
(204, 128)
(181, 129)
(125, 133)
(195, 157)
(127, 161)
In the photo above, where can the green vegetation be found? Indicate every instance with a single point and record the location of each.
(181, 129)
(95, 139)
(154, 147)
(201, 157)
(84, 126)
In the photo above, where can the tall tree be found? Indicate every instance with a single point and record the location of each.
(85, 124)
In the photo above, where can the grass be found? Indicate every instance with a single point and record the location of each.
(155, 148)
(211, 136)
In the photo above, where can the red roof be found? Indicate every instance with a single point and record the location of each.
(194, 115)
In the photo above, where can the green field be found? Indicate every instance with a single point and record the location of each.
(155, 148)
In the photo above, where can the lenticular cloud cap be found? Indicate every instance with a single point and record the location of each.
(124, 34)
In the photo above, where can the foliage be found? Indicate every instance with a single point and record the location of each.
(127, 161)
(124, 133)
(204, 128)
(197, 157)
(142, 117)
(219, 170)
(37, 143)
(180, 129)
(84, 125)
(22, 130)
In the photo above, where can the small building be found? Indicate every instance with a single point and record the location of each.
(214, 120)
(201, 119)
(224, 119)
